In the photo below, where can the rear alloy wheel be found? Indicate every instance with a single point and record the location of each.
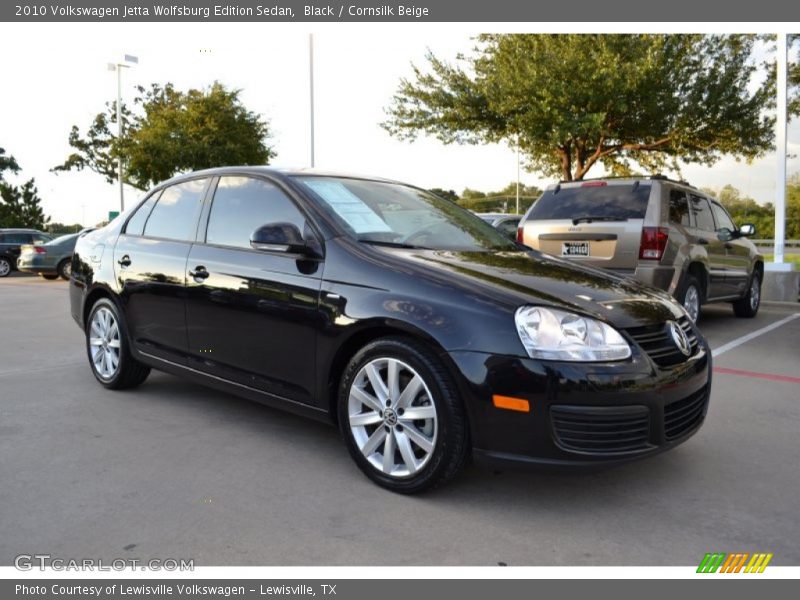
(65, 269)
(690, 297)
(747, 306)
(401, 418)
(5, 267)
(107, 347)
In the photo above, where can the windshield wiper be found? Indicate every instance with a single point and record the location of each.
(393, 244)
(588, 219)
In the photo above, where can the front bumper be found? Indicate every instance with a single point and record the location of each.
(582, 413)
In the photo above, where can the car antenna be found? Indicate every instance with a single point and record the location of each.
(558, 188)
(635, 185)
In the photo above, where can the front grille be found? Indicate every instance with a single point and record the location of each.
(684, 415)
(601, 430)
(656, 341)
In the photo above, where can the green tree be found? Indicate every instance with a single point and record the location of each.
(7, 163)
(170, 131)
(446, 194)
(794, 77)
(628, 102)
(20, 206)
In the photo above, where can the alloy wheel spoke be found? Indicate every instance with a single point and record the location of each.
(95, 341)
(113, 343)
(410, 391)
(365, 398)
(418, 438)
(377, 383)
(404, 445)
(416, 413)
(365, 418)
(388, 453)
(374, 441)
(393, 380)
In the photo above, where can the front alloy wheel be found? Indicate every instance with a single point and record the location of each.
(392, 417)
(5, 267)
(747, 305)
(401, 416)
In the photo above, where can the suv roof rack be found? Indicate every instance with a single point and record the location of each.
(656, 177)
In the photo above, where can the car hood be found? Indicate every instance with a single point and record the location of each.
(519, 278)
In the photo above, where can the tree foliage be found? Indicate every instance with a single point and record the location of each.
(794, 77)
(744, 209)
(20, 206)
(7, 163)
(504, 200)
(628, 102)
(169, 131)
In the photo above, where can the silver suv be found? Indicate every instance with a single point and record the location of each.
(664, 233)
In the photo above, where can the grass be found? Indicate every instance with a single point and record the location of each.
(789, 258)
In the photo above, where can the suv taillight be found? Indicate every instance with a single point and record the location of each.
(520, 233)
(654, 241)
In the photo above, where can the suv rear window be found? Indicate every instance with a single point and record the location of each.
(611, 201)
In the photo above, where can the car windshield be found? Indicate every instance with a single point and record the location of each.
(393, 214)
(619, 202)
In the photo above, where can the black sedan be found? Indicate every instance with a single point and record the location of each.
(417, 328)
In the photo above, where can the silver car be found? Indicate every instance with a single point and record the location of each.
(664, 233)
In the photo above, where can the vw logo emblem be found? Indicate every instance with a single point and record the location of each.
(390, 417)
(679, 337)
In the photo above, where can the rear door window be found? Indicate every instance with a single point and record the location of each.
(701, 213)
(175, 214)
(607, 201)
(136, 223)
(18, 238)
(679, 208)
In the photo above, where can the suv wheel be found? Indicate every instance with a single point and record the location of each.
(690, 297)
(5, 266)
(747, 306)
(108, 350)
(65, 268)
(401, 417)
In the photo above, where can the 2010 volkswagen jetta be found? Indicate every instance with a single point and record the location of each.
(426, 335)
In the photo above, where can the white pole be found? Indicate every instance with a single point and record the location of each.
(311, 90)
(517, 174)
(780, 148)
(119, 137)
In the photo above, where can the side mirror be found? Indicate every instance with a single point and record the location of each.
(747, 230)
(724, 234)
(279, 237)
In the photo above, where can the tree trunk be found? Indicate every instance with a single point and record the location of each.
(565, 154)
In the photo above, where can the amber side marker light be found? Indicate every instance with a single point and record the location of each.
(510, 403)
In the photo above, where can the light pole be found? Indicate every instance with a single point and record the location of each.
(118, 66)
(311, 90)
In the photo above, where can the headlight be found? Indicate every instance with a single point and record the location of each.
(552, 334)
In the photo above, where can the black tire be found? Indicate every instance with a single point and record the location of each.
(129, 372)
(747, 306)
(6, 266)
(65, 269)
(49, 276)
(690, 288)
(451, 447)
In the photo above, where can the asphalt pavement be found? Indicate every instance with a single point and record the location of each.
(176, 470)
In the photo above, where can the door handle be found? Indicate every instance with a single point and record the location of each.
(729, 246)
(199, 272)
(125, 261)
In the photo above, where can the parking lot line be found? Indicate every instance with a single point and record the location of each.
(767, 376)
(752, 335)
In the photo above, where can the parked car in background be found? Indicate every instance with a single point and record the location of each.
(505, 223)
(52, 259)
(11, 241)
(664, 233)
(423, 333)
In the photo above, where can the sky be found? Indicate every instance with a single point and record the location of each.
(55, 75)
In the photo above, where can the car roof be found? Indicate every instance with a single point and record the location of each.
(498, 215)
(22, 230)
(277, 172)
(642, 179)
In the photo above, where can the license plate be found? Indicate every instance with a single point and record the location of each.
(575, 249)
